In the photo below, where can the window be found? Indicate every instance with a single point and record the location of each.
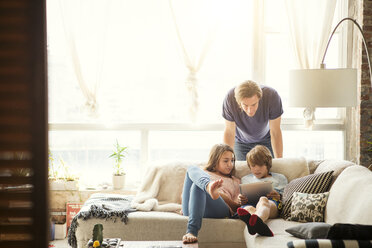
(133, 62)
(141, 70)
(279, 58)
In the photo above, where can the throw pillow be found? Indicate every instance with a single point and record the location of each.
(311, 184)
(308, 207)
(350, 231)
(310, 230)
(328, 243)
(337, 166)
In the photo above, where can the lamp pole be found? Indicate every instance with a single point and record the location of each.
(322, 65)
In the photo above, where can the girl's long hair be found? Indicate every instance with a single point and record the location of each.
(215, 156)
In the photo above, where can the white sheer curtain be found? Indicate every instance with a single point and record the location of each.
(85, 24)
(310, 23)
(196, 23)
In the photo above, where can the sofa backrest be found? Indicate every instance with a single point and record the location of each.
(290, 167)
(164, 179)
(337, 166)
(350, 198)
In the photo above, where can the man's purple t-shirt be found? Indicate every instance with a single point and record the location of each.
(256, 128)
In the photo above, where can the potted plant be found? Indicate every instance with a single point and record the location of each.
(60, 177)
(118, 154)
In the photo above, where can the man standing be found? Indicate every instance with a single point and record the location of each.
(252, 116)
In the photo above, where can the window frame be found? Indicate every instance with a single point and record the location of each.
(259, 68)
(258, 74)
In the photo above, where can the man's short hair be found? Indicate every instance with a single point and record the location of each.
(247, 89)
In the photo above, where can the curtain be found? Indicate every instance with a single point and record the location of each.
(196, 23)
(310, 23)
(85, 24)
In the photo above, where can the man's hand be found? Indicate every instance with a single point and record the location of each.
(242, 199)
(274, 194)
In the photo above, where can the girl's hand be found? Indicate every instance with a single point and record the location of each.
(242, 199)
(274, 194)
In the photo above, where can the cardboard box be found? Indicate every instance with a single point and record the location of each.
(71, 210)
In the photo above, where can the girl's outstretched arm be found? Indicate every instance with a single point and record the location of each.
(213, 188)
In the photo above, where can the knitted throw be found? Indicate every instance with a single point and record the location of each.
(103, 206)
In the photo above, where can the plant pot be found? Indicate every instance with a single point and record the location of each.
(118, 181)
(60, 231)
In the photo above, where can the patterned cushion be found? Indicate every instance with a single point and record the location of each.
(311, 184)
(329, 243)
(308, 207)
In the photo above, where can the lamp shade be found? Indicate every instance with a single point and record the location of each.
(323, 88)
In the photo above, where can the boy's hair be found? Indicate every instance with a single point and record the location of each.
(215, 156)
(247, 89)
(260, 155)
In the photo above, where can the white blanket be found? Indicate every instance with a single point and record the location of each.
(161, 189)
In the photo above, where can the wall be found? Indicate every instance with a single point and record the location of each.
(366, 91)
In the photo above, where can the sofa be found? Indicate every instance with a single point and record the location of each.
(159, 198)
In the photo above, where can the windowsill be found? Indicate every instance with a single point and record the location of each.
(127, 191)
(286, 124)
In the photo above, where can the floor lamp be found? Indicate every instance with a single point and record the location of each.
(323, 87)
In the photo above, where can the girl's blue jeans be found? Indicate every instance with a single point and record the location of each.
(197, 203)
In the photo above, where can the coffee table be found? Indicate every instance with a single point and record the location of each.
(156, 244)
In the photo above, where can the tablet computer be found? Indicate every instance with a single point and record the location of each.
(253, 191)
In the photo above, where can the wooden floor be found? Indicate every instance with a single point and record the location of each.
(59, 243)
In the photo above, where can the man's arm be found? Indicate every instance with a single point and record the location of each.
(276, 137)
(229, 133)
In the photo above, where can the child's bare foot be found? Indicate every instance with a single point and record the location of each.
(189, 238)
(212, 188)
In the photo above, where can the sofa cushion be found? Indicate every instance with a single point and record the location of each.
(349, 199)
(308, 207)
(164, 226)
(327, 231)
(312, 230)
(313, 164)
(311, 184)
(162, 185)
(337, 166)
(280, 238)
(330, 164)
(291, 168)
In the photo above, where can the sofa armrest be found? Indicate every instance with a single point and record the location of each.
(329, 243)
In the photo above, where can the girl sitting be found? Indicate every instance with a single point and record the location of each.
(210, 193)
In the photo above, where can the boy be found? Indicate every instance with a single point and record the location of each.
(259, 160)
